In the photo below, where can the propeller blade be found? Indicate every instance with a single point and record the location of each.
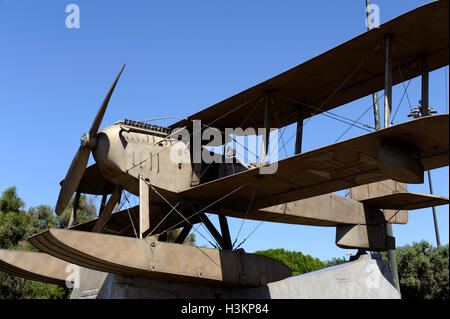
(79, 162)
(101, 111)
(72, 179)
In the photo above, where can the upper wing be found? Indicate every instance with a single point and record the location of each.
(328, 169)
(343, 74)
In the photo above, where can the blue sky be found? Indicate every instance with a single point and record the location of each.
(182, 56)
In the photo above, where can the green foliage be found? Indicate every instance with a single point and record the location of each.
(19, 288)
(173, 234)
(334, 261)
(10, 202)
(38, 290)
(16, 225)
(41, 219)
(86, 212)
(423, 271)
(298, 262)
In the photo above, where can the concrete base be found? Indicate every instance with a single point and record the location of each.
(366, 277)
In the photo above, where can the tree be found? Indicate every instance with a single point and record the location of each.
(423, 271)
(173, 234)
(298, 262)
(41, 219)
(13, 221)
(86, 212)
(16, 226)
(10, 202)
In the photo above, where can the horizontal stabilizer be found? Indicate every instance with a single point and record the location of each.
(406, 201)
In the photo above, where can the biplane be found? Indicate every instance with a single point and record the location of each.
(136, 157)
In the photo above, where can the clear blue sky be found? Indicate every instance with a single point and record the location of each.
(182, 56)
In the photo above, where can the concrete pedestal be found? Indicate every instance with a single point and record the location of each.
(366, 277)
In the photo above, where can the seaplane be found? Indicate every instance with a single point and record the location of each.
(177, 187)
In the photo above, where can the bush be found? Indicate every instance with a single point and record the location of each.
(16, 226)
(298, 262)
(423, 271)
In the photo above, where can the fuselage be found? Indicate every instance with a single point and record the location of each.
(127, 150)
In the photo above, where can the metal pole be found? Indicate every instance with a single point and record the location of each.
(76, 202)
(388, 82)
(425, 79)
(436, 227)
(387, 114)
(424, 110)
(376, 106)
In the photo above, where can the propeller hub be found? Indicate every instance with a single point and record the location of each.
(88, 141)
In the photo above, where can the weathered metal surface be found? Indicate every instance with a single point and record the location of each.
(399, 163)
(144, 207)
(122, 156)
(34, 266)
(152, 259)
(367, 237)
(324, 82)
(323, 210)
(380, 189)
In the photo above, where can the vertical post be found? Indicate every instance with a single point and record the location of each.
(436, 226)
(144, 206)
(299, 136)
(388, 82)
(73, 215)
(424, 109)
(266, 136)
(376, 107)
(387, 115)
